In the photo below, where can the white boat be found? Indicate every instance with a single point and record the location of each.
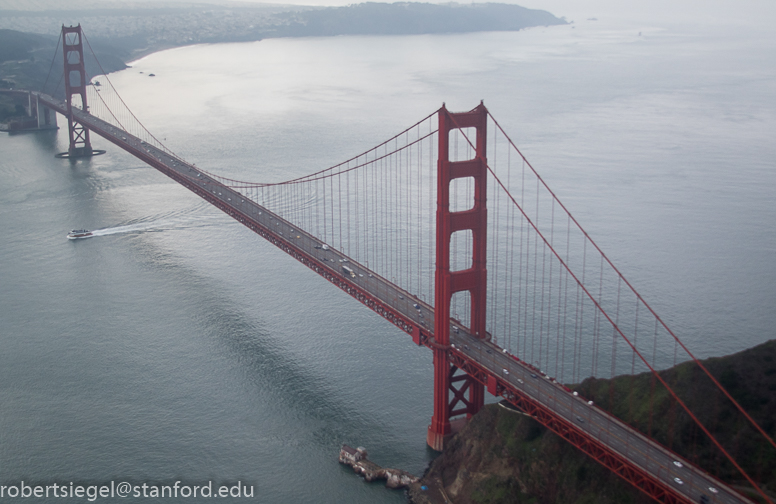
(79, 233)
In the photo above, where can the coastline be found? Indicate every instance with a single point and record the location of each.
(121, 36)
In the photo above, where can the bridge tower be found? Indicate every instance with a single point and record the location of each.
(75, 85)
(451, 390)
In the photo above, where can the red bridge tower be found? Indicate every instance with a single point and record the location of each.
(450, 389)
(75, 84)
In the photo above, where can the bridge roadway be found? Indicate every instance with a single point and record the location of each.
(574, 418)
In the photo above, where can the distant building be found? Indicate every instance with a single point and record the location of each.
(350, 455)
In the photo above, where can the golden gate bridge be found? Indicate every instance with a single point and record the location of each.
(448, 232)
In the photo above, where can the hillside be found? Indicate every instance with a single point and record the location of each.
(24, 58)
(27, 62)
(119, 33)
(505, 457)
(409, 18)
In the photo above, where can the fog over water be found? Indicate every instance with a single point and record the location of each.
(177, 345)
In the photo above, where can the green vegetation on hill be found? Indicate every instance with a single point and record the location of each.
(505, 457)
(749, 377)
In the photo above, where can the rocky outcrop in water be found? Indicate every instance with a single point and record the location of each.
(356, 458)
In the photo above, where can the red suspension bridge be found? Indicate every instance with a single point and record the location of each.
(448, 232)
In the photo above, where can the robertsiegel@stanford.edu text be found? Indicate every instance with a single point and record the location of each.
(124, 489)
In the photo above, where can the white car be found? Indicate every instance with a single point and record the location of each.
(713, 490)
(678, 481)
(677, 463)
(505, 371)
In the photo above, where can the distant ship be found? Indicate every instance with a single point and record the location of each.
(79, 233)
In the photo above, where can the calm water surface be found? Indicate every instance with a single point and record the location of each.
(179, 345)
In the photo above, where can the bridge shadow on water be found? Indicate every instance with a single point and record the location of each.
(266, 365)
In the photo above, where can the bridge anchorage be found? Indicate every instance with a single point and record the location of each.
(75, 87)
(39, 117)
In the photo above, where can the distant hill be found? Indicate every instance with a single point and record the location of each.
(16, 45)
(24, 58)
(119, 32)
(505, 457)
(28, 61)
(409, 18)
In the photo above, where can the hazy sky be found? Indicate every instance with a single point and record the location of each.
(711, 11)
(704, 11)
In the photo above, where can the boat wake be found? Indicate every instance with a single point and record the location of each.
(131, 228)
(151, 225)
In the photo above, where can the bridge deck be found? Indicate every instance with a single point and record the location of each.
(643, 462)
